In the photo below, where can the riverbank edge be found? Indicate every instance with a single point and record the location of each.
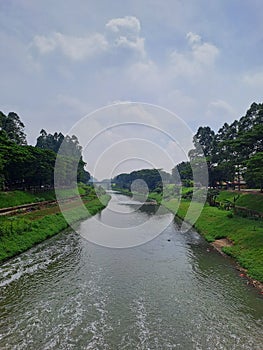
(47, 227)
(243, 271)
(174, 210)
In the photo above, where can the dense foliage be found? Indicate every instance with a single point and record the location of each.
(28, 167)
(234, 153)
(13, 128)
(71, 146)
(183, 174)
(153, 178)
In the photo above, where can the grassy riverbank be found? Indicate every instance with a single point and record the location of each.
(253, 201)
(15, 198)
(21, 232)
(245, 234)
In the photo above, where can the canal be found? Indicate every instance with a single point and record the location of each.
(172, 292)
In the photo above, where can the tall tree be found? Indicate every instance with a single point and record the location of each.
(69, 154)
(182, 173)
(205, 137)
(49, 141)
(254, 171)
(203, 155)
(13, 127)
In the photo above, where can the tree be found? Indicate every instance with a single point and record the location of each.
(66, 145)
(83, 175)
(152, 177)
(228, 151)
(27, 166)
(49, 141)
(13, 127)
(183, 173)
(202, 157)
(69, 155)
(254, 171)
(237, 142)
(205, 137)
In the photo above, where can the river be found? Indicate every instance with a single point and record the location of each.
(173, 292)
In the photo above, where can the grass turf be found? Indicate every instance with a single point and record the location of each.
(19, 233)
(246, 234)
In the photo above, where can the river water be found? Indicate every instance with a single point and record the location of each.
(173, 292)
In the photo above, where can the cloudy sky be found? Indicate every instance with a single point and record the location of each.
(60, 60)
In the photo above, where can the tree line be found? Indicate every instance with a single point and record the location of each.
(32, 167)
(152, 178)
(233, 154)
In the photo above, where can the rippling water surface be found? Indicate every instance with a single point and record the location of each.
(68, 293)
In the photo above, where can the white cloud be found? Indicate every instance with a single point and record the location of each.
(145, 75)
(120, 33)
(126, 34)
(205, 53)
(76, 48)
(193, 38)
(201, 56)
(183, 65)
(128, 23)
(136, 45)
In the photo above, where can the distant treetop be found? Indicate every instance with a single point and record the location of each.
(13, 127)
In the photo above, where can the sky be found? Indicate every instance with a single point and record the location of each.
(62, 60)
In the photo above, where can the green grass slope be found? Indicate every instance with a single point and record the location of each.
(246, 234)
(251, 201)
